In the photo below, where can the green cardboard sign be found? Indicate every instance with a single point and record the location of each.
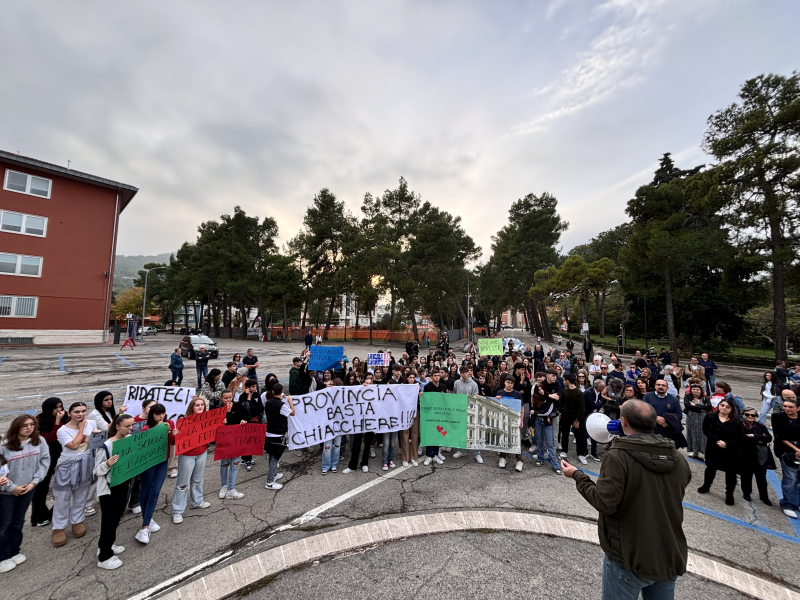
(490, 346)
(137, 453)
(443, 420)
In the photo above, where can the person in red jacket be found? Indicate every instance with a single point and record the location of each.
(191, 466)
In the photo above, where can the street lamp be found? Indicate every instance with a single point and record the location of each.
(144, 296)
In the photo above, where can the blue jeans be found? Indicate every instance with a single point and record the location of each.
(202, 373)
(330, 453)
(12, 519)
(150, 488)
(227, 472)
(273, 469)
(177, 376)
(765, 408)
(710, 384)
(544, 441)
(388, 448)
(790, 487)
(621, 584)
(190, 471)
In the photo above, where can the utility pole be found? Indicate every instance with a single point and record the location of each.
(144, 296)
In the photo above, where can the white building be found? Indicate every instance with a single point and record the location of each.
(492, 425)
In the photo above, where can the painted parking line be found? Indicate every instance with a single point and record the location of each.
(61, 363)
(125, 360)
(729, 519)
(161, 353)
(2, 358)
(59, 394)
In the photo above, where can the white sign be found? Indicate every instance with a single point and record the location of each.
(175, 399)
(585, 327)
(378, 359)
(322, 415)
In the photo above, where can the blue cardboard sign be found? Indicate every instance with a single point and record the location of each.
(325, 357)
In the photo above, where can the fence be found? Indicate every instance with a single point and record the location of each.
(378, 335)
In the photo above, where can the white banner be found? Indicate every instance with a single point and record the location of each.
(321, 416)
(175, 399)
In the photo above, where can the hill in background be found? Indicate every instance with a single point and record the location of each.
(127, 268)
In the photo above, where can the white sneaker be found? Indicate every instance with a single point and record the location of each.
(419, 451)
(447, 449)
(20, 558)
(143, 536)
(583, 460)
(273, 486)
(233, 495)
(438, 460)
(502, 463)
(534, 456)
(203, 504)
(347, 470)
(173, 473)
(479, 459)
(372, 451)
(278, 476)
(384, 467)
(405, 463)
(137, 510)
(365, 468)
(177, 518)
(7, 565)
(110, 564)
(428, 460)
(392, 465)
(154, 526)
(519, 466)
(89, 511)
(790, 513)
(693, 454)
(459, 454)
(223, 491)
(115, 549)
(441, 458)
(414, 463)
(562, 455)
(559, 447)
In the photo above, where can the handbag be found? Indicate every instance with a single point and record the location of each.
(764, 457)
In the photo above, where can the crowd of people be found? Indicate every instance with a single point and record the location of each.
(558, 391)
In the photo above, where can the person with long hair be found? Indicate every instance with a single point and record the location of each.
(27, 460)
(48, 423)
(409, 438)
(582, 379)
(212, 389)
(770, 396)
(756, 456)
(104, 412)
(228, 467)
(642, 387)
(113, 499)
(253, 406)
(696, 406)
(153, 478)
(628, 393)
(72, 479)
(191, 467)
(723, 448)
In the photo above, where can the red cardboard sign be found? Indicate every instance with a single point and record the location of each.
(196, 430)
(234, 441)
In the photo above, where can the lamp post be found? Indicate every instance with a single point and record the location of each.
(144, 296)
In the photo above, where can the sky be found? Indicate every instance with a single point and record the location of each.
(207, 105)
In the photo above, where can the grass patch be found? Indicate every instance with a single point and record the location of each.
(257, 585)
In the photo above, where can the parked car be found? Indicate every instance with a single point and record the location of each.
(149, 330)
(190, 343)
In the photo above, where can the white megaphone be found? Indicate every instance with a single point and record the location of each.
(602, 429)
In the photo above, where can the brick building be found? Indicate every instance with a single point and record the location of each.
(58, 237)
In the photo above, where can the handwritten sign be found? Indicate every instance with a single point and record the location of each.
(378, 359)
(325, 357)
(234, 441)
(139, 453)
(490, 346)
(98, 439)
(174, 399)
(199, 429)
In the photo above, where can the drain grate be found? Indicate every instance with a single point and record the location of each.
(16, 340)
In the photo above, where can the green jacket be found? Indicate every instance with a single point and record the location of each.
(639, 496)
(294, 381)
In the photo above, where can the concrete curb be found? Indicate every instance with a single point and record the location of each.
(225, 581)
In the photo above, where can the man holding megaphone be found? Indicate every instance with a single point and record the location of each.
(639, 496)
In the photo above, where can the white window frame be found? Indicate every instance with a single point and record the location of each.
(19, 263)
(27, 184)
(14, 300)
(24, 223)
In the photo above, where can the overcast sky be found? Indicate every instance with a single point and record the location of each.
(206, 105)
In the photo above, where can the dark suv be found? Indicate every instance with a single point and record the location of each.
(192, 343)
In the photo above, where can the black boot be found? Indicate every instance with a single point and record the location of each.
(729, 498)
(703, 489)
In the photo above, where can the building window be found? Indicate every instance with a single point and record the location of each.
(18, 264)
(18, 306)
(27, 184)
(25, 224)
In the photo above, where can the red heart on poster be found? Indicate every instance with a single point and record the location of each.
(439, 428)
(444, 432)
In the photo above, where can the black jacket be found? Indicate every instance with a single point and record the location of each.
(730, 432)
(761, 437)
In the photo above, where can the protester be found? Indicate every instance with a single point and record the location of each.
(508, 391)
(212, 389)
(278, 409)
(72, 479)
(228, 467)
(176, 366)
(724, 435)
(756, 457)
(409, 438)
(201, 364)
(358, 438)
(543, 409)
(104, 412)
(153, 478)
(639, 496)
(467, 385)
(786, 427)
(48, 423)
(113, 499)
(669, 413)
(696, 406)
(252, 406)
(191, 468)
(770, 397)
(25, 460)
(435, 385)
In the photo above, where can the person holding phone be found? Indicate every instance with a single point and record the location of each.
(112, 498)
(191, 467)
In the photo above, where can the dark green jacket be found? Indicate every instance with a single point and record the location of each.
(294, 381)
(639, 496)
